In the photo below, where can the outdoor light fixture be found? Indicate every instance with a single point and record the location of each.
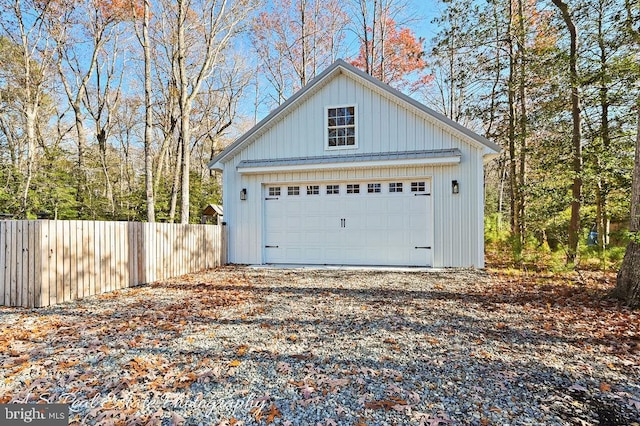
(243, 194)
(455, 187)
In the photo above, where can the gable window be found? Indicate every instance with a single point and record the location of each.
(373, 188)
(274, 191)
(293, 190)
(313, 189)
(341, 127)
(395, 187)
(333, 189)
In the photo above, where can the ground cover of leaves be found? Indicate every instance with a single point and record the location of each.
(247, 346)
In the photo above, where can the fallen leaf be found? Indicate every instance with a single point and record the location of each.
(177, 419)
(272, 414)
(234, 363)
(242, 350)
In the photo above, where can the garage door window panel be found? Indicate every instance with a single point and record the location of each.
(418, 187)
(333, 189)
(374, 188)
(395, 187)
(274, 191)
(293, 190)
(353, 188)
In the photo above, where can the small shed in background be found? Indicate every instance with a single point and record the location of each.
(213, 214)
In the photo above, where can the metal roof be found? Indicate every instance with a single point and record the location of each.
(335, 69)
(407, 155)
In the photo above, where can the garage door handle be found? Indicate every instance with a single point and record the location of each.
(343, 223)
(424, 195)
(271, 246)
(424, 247)
(271, 198)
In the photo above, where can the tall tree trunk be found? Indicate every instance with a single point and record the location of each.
(185, 111)
(365, 38)
(303, 37)
(602, 216)
(176, 184)
(576, 188)
(32, 92)
(30, 114)
(101, 136)
(186, 157)
(511, 135)
(82, 175)
(523, 125)
(628, 282)
(148, 118)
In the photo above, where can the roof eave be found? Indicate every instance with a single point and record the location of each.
(334, 68)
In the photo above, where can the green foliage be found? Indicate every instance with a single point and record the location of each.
(204, 191)
(495, 229)
(540, 255)
(633, 236)
(53, 192)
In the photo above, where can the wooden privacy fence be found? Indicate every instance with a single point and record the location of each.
(46, 262)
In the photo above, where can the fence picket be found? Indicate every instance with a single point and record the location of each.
(42, 293)
(20, 261)
(3, 261)
(66, 256)
(84, 260)
(90, 250)
(35, 259)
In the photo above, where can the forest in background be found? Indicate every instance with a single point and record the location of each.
(112, 109)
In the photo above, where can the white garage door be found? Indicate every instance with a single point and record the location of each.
(349, 223)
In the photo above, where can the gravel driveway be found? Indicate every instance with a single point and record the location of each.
(308, 347)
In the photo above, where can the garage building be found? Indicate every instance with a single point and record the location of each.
(349, 171)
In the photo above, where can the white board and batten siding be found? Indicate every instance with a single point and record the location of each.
(387, 123)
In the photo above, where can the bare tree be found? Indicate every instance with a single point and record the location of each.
(101, 100)
(201, 33)
(68, 29)
(144, 38)
(295, 39)
(23, 22)
(389, 51)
